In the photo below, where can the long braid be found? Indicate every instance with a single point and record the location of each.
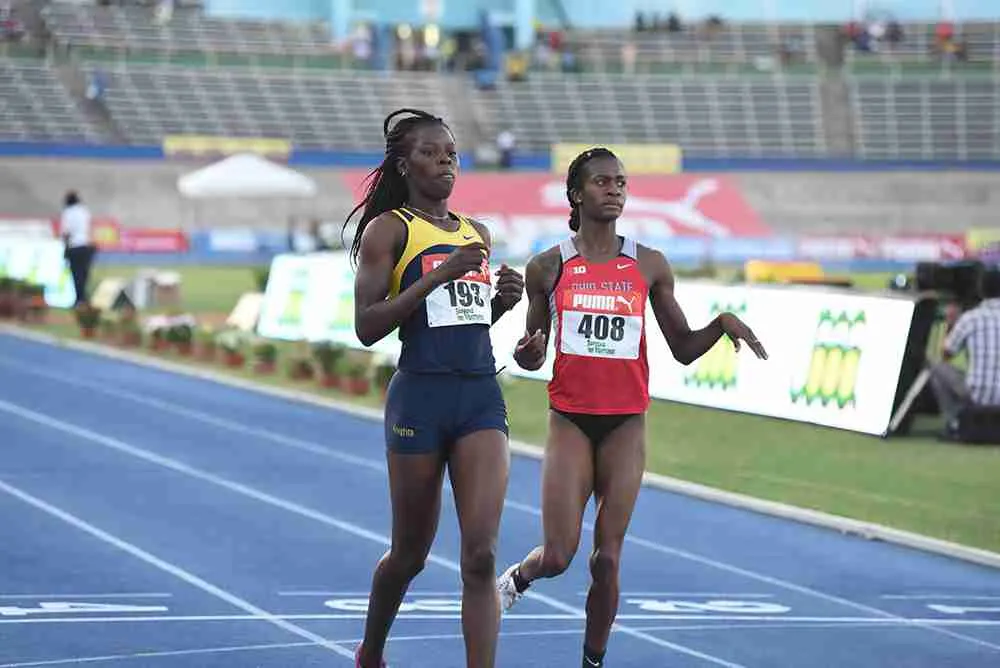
(573, 180)
(386, 187)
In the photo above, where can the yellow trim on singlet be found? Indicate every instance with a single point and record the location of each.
(421, 235)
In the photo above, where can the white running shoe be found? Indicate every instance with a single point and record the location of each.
(509, 595)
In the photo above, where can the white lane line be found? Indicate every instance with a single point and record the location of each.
(170, 568)
(70, 596)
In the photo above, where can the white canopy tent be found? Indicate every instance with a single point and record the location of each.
(249, 192)
(245, 175)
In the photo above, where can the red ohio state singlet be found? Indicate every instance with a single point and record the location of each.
(598, 315)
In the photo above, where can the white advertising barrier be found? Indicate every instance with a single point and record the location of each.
(39, 261)
(834, 357)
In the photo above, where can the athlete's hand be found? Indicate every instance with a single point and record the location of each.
(510, 287)
(737, 331)
(462, 260)
(530, 351)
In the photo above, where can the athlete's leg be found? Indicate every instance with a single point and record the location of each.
(618, 477)
(567, 482)
(479, 465)
(415, 491)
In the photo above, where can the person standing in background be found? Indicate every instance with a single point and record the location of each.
(75, 227)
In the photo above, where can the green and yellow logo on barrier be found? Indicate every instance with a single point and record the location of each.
(718, 367)
(833, 366)
(291, 314)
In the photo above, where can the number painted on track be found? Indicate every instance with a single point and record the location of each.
(714, 606)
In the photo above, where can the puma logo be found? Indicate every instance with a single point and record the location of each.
(629, 303)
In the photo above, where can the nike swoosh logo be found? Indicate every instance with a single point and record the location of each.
(465, 237)
(621, 266)
(591, 663)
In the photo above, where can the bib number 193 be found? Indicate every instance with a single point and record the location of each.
(465, 294)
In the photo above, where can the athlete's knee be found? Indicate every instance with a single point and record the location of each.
(604, 563)
(556, 559)
(479, 561)
(405, 564)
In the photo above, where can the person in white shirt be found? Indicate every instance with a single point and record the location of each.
(75, 227)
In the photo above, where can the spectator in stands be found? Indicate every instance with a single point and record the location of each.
(75, 227)
(640, 22)
(977, 333)
(674, 23)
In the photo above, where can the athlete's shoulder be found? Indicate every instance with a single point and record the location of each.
(653, 264)
(542, 270)
(649, 257)
(482, 228)
(385, 226)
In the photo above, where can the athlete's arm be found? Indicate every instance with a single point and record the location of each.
(539, 278)
(510, 283)
(374, 315)
(686, 344)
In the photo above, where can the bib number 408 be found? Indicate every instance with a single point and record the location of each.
(601, 327)
(463, 293)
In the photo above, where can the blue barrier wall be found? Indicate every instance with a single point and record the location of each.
(533, 161)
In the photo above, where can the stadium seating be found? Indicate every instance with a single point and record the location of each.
(926, 117)
(134, 29)
(746, 116)
(36, 106)
(315, 110)
(732, 47)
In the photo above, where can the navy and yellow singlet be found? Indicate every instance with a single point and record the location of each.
(449, 332)
(445, 387)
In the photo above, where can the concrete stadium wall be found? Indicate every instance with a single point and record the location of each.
(140, 191)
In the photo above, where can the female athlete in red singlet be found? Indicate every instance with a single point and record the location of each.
(592, 288)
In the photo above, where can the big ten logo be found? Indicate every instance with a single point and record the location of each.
(718, 367)
(291, 314)
(832, 372)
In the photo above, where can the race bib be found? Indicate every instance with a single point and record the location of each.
(602, 324)
(464, 301)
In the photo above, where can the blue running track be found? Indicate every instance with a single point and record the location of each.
(157, 520)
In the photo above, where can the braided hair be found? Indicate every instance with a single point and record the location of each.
(574, 180)
(386, 186)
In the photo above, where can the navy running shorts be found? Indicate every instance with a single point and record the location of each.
(427, 412)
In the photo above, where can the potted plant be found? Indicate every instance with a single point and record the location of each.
(180, 336)
(231, 343)
(327, 356)
(158, 338)
(18, 299)
(108, 326)
(7, 296)
(265, 355)
(129, 333)
(205, 343)
(87, 317)
(300, 367)
(358, 382)
(35, 306)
